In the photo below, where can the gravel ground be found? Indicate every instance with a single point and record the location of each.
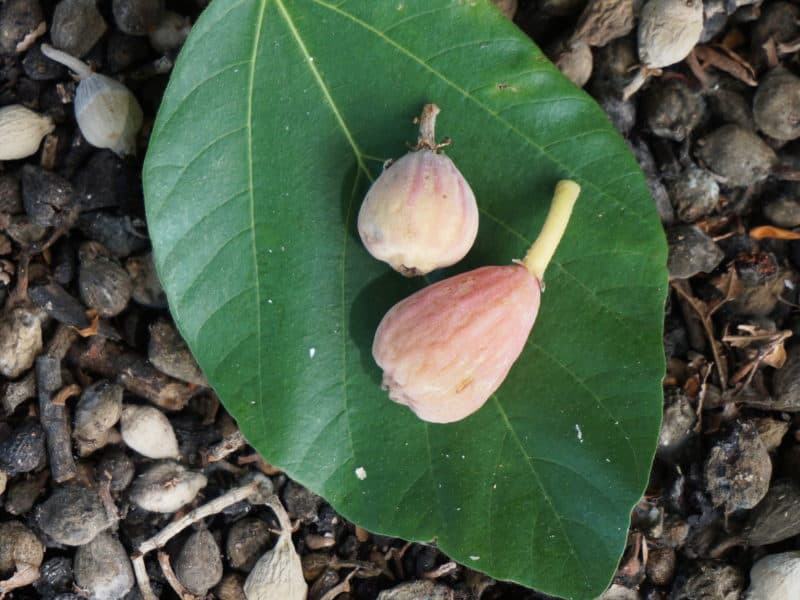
(98, 387)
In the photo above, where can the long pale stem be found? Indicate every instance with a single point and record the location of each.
(80, 68)
(542, 250)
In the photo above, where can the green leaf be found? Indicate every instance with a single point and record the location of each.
(278, 115)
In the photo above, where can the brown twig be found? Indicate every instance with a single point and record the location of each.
(705, 314)
(341, 588)
(243, 492)
(226, 447)
(54, 419)
(24, 575)
(172, 579)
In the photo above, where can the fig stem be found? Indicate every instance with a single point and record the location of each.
(427, 126)
(80, 68)
(542, 250)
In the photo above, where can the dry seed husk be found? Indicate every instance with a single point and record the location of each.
(166, 486)
(102, 569)
(199, 565)
(777, 516)
(776, 105)
(774, 577)
(147, 430)
(668, 30)
(277, 574)
(603, 21)
(21, 131)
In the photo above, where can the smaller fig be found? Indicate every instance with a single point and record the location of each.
(420, 214)
(447, 348)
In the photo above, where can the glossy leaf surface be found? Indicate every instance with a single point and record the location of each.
(278, 115)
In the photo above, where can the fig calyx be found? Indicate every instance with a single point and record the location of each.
(420, 214)
(447, 348)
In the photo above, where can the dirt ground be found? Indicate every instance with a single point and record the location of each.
(86, 341)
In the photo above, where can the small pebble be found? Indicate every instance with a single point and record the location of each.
(77, 26)
(691, 251)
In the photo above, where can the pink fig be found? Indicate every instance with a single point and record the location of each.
(420, 214)
(445, 349)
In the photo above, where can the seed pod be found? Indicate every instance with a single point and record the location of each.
(420, 214)
(19, 548)
(47, 197)
(23, 450)
(775, 576)
(668, 31)
(117, 467)
(22, 131)
(169, 354)
(56, 577)
(279, 572)
(102, 569)
(411, 590)
(147, 430)
(166, 486)
(77, 26)
(672, 109)
(484, 316)
(776, 105)
(97, 411)
(199, 565)
(108, 114)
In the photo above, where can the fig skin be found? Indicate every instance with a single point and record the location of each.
(447, 348)
(480, 322)
(420, 214)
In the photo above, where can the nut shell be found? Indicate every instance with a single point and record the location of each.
(419, 215)
(447, 348)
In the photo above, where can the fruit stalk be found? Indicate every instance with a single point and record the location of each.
(542, 250)
(427, 127)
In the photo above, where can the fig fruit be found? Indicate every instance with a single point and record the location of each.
(420, 214)
(445, 349)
